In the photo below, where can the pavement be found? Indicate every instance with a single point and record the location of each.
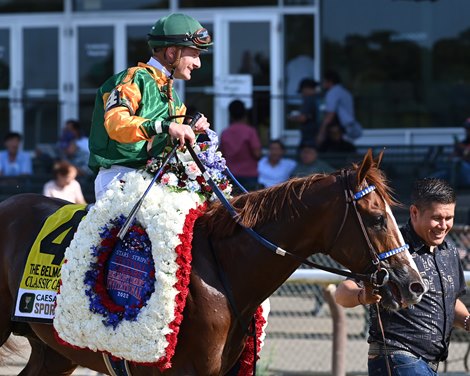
(15, 362)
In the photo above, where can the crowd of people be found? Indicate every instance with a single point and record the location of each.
(325, 119)
(64, 162)
(327, 131)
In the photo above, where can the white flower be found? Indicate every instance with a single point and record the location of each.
(169, 179)
(192, 170)
(162, 214)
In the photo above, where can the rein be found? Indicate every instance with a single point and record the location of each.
(378, 278)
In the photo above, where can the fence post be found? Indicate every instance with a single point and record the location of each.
(339, 332)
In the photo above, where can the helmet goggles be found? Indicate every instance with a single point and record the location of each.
(201, 39)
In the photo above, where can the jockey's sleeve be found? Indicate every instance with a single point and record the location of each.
(120, 120)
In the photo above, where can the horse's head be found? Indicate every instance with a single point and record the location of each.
(369, 225)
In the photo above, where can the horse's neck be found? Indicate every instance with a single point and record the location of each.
(256, 272)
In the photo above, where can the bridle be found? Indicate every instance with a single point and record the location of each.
(378, 277)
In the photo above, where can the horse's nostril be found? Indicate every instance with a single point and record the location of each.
(417, 288)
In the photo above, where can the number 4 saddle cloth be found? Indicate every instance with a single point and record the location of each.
(36, 297)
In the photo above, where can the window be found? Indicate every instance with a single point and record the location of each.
(299, 59)
(4, 81)
(4, 59)
(407, 66)
(224, 3)
(41, 80)
(93, 5)
(30, 6)
(96, 64)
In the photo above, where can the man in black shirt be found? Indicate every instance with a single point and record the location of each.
(417, 338)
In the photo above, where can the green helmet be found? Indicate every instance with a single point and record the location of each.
(179, 30)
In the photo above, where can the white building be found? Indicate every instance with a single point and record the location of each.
(405, 61)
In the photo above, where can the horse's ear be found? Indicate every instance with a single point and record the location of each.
(378, 159)
(366, 164)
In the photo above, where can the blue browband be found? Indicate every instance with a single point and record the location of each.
(394, 251)
(364, 192)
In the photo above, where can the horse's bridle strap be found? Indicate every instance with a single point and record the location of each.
(384, 255)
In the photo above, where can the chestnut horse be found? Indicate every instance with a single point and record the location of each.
(303, 216)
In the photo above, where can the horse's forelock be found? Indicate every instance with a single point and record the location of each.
(376, 177)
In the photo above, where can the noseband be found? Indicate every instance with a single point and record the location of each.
(378, 277)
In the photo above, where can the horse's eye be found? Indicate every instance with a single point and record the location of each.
(380, 221)
(376, 222)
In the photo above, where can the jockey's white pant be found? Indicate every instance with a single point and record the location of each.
(106, 176)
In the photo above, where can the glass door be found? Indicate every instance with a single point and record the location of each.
(95, 45)
(4, 81)
(253, 49)
(40, 90)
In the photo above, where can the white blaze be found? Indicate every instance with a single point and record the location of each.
(400, 238)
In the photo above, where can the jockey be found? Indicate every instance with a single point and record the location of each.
(132, 115)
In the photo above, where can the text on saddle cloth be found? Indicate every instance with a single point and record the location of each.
(41, 275)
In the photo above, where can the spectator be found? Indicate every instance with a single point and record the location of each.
(79, 158)
(307, 117)
(73, 146)
(335, 142)
(14, 161)
(339, 107)
(67, 137)
(79, 137)
(298, 68)
(310, 163)
(274, 168)
(417, 338)
(241, 147)
(461, 170)
(64, 185)
(456, 170)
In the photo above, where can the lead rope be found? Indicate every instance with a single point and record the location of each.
(379, 319)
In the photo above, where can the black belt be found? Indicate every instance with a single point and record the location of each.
(434, 365)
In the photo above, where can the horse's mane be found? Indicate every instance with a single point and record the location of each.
(255, 208)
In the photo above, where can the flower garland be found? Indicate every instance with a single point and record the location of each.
(151, 339)
(182, 172)
(247, 359)
(167, 250)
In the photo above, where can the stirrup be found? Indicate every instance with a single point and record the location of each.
(116, 367)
